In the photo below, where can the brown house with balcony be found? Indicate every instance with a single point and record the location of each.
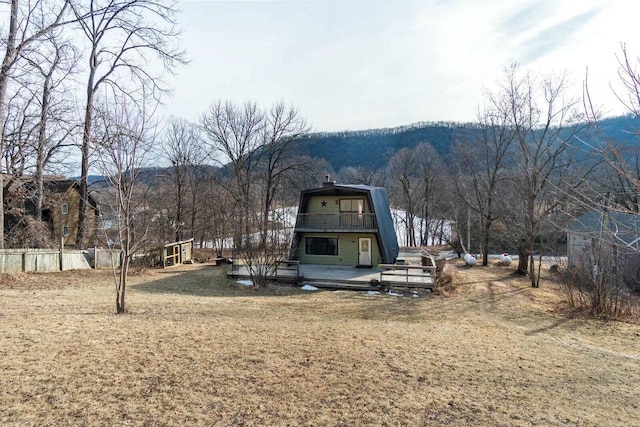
(348, 225)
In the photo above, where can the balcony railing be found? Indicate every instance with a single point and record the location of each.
(343, 221)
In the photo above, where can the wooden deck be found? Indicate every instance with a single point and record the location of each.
(351, 278)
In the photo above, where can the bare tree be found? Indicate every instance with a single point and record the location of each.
(362, 175)
(433, 191)
(127, 135)
(20, 124)
(603, 272)
(54, 62)
(405, 192)
(622, 163)
(483, 163)
(27, 23)
(257, 148)
(218, 213)
(182, 149)
(234, 134)
(542, 118)
(459, 232)
(122, 36)
(310, 176)
(284, 127)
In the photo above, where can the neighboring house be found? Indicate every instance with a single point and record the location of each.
(607, 237)
(349, 225)
(63, 214)
(59, 208)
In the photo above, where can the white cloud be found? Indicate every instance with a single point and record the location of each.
(358, 64)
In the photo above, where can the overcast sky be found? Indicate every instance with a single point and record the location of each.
(360, 64)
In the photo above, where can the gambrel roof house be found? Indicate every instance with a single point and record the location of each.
(349, 225)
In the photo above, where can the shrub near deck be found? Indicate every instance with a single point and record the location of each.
(197, 349)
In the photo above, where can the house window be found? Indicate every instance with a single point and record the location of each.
(352, 214)
(65, 230)
(64, 208)
(321, 246)
(352, 206)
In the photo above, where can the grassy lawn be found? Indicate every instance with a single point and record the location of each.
(199, 349)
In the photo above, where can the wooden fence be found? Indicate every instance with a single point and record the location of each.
(48, 260)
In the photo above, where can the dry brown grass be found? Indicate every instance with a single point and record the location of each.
(198, 349)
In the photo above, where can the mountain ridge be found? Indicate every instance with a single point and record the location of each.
(372, 148)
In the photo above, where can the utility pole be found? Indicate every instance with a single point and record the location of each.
(597, 268)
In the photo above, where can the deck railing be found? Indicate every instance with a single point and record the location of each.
(414, 276)
(288, 270)
(347, 221)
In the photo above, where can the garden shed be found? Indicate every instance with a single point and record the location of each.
(177, 253)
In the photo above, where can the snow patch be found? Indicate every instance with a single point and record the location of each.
(373, 293)
(245, 282)
(394, 294)
(309, 288)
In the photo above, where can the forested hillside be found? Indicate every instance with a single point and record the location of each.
(373, 148)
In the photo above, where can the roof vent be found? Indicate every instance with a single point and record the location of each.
(327, 181)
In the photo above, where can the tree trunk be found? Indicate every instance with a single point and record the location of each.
(265, 218)
(194, 212)
(9, 57)
(411, 235)
(485, 242)
(523, 261)
(86, 141)
(42, 135)
(532, 271)
(179, 208)
(122, 289)
(39, 192)
(84, 191)
(84, 179)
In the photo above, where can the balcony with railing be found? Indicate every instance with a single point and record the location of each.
(343, 222)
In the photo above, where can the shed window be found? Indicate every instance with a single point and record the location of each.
(321, 245)
(64, 208)
(65, 230)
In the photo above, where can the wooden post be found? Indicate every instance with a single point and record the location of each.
(469, 231)
(61, 253)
